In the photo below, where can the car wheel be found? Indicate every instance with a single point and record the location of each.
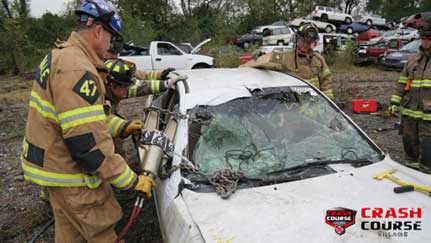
(328, 29)
(201, 66)
(350, 30)
(348, 20)
(324, 18)
(280, 43)
(369, 22)
(246, 45)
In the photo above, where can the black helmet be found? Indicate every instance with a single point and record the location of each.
(425, 29)
(308, 32)
(120, 72)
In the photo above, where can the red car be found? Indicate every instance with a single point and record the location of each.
(416, 20)
(367, 35)
(374, 52)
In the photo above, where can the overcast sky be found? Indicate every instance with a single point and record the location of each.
(39, 7)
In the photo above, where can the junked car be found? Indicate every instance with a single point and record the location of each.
(292, 154)
(353, 28)
(326, 14)
(372, 19)
(327, 27)
(398, 59)
(278, 36)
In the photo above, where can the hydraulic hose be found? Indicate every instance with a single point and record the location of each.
(135, 213)
(40, 232)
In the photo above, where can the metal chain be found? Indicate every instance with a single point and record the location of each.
(176, 114)
(225, 181)
(166, 111)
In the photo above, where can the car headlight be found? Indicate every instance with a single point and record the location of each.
(362, 51)
(403, 61)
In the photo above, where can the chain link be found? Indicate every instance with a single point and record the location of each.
(225, 182)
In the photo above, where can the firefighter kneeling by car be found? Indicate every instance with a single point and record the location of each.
(413, 98)
(121, 83)
(67, 146)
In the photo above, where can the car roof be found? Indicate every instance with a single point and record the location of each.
(214, 86)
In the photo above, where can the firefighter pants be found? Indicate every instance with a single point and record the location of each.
(417, 140)
(84, 215)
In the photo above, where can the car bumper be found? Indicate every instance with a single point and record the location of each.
(393, 66)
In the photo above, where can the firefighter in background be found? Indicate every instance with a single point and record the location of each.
(302, 61)
(67, 146)
(121, 83)
(156, 76)
(413, 98)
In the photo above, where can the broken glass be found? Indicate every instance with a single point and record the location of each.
(272, 130)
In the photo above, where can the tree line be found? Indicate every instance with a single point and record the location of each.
(24, 40)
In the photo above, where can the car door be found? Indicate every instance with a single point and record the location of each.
(168, 55)
(331, 14)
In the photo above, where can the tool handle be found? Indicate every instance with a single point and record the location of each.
(401, 189)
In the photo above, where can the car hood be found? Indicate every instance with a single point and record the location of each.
(399, 55)
(295, 211)
(197, 48)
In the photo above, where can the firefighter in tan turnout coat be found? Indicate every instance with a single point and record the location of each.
(302, 62)
(67, 146)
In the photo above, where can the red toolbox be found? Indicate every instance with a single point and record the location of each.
(364, 106)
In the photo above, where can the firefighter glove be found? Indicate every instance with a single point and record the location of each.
(171, 83)
(166, 72)
(393, 109)
(145, 185)
(134, 126)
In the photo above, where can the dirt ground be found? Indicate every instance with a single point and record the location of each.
(22, 214)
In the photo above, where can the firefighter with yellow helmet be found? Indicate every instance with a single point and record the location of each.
(302, 61)
(121, 83)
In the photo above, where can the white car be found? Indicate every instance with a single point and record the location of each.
(326, 14)
(403, 33)
(297, 157)
(162, 54)
(372, 19)
(279, 36)
(327, 27)
(263, 28)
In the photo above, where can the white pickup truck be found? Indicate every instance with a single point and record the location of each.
(162, 54)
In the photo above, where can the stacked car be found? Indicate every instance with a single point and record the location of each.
(376, 37)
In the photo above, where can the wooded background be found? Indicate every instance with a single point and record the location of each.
(24, 40)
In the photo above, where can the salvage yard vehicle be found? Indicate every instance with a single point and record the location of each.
(373, 53)
(372, 19)
(162, 54)
(278, 36)
(327, 27)
(353, 28)
(289, 154)
(248, 39)
(263, 28)
(398, 59)
(326, 14)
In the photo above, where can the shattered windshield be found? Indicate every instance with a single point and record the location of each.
(272, 130)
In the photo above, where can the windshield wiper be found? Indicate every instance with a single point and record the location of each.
(355, 163)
